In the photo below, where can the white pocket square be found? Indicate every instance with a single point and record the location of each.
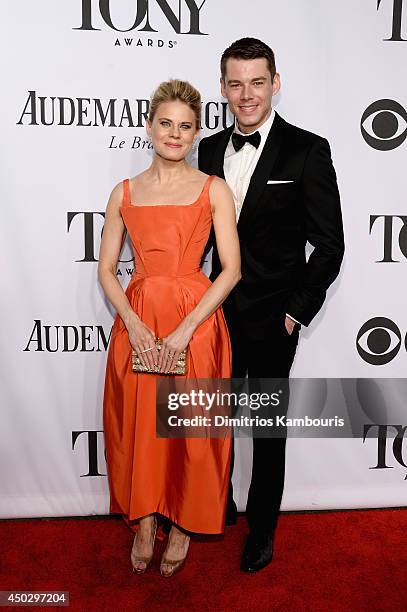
(278, 182)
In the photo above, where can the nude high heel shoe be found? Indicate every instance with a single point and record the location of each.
(174, 565)
(147, 560)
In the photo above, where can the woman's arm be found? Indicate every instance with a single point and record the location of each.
(227, 242)
(140, 336)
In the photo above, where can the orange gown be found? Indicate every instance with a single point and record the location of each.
(186, 479)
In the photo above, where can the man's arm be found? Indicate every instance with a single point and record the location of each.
(324, 231)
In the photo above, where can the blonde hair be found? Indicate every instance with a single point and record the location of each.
(172, 90)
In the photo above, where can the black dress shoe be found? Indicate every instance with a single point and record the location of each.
(257, 553)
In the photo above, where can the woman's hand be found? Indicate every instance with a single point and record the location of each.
(142, 339)
(174, 344)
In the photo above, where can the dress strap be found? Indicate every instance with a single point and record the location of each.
(126, 193)
(208, 182)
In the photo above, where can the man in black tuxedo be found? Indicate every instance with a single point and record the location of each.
(285, 191)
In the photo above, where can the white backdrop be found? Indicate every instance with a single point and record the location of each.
(334, 62)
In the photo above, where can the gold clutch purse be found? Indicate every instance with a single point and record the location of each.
(179, 368)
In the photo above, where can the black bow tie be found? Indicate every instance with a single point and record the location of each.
(239, 141)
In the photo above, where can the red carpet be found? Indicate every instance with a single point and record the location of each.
(331, 561)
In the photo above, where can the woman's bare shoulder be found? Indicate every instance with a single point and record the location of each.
(217, 182)
(219, 187)
(116, 196)
(196, 176)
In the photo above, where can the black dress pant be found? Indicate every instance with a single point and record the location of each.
(271, 357)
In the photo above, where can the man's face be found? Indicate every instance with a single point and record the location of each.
(249, 91)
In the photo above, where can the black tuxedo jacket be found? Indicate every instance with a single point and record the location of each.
(275, 223)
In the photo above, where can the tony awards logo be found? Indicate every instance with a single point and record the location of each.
(182, 16)
(96, 455)
(397, 19)
(393, 232)
(382, 437)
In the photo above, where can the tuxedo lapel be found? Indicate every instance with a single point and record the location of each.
(262, 171)
(219, 153)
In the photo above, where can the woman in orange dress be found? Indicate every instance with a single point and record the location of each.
(168, 211)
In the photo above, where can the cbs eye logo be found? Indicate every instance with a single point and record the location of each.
(384, 125)
(379, 341)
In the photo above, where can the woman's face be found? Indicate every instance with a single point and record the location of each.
(173, 130)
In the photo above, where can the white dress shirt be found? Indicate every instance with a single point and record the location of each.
(238, 166)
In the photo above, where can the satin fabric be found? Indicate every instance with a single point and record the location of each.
(185, 480)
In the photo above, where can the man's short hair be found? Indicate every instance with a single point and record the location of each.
(247, 49)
